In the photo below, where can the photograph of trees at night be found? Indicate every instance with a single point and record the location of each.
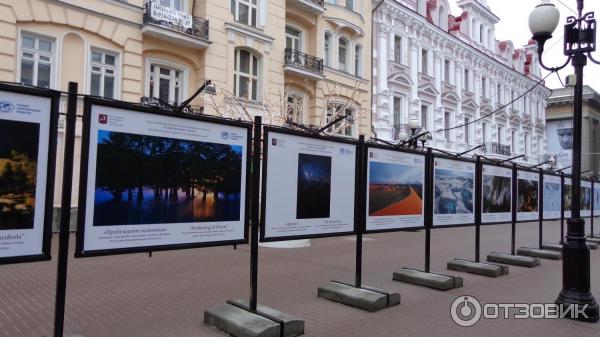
(143, 179)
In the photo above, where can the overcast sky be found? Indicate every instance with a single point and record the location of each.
(513, 25)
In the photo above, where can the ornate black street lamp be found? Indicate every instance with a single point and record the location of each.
(579, 43)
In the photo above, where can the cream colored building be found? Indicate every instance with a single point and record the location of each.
(315, 54)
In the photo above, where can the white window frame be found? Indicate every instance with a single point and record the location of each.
(300, 96)
(257, 76)
(352, 128)
(398, 48)
(166, 64)
(116, 68)
(327, 52)
(448, 125)
(358, 60)
(182, 3)
(398, 110)
(251, 7)
(53, 57)
(347, 58)
(468, 129)
(300, 36)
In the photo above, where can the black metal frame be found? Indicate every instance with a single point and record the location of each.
(516, 196)
(315, 136)
(496, 164)
(54, 97)
(88, 103)
(365, 181)
(432, 191)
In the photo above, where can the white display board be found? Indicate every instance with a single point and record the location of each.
(161, 181)
(528, 196)
(586, 198)
(25, 138)
(596, 198)
(552, 197)
(309, 187)
(567, 197)
(496, 205)
(395, 190)
(454, 192)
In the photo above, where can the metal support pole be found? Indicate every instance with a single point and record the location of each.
(478, 191)
(428, 207)
(254, 212)
(594, 186)
(562, 208)
(513, 228)
(541, 210)
(65, 212)
(361, 212)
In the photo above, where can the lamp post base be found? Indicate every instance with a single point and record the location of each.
(576, 274)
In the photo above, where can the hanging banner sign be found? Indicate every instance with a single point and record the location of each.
(567, 198)
(527, 196)
(395, 187)
(152, 181)
(496, 194)
(309, 186)
(552, 196)
(170, 15)
(454, 192)
(28, 124)
(586, 198)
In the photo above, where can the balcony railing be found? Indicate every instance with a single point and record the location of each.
(303, 61)
(496, 149)
(175, 20)
(404, 129)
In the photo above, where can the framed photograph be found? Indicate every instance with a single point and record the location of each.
(596, 198)
(395, 188)
(309, 184)
(153, 181)
(567, 197)
(496, 194)
(28, 133)
(454, 192)
(552, 195)
(528, 196)
(585, 198)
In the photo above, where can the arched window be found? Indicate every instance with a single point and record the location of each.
(245, 80)
(343, 54)
(357, 60)
(327, 49)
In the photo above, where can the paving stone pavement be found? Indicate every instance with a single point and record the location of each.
(166, 295)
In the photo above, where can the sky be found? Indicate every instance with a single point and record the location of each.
(513, 25)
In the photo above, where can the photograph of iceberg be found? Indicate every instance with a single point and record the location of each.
(395, 189)
(454, 192)
(551, 197)
(496, 194)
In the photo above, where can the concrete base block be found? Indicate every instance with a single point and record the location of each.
(513, 260)
(539, 253)
(362, 298)
(430, 280)
(593, 239)
(241, 323)
(472, 267)
(557, 247)
(592, 245)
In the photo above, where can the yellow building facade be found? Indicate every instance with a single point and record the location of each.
(299, 60)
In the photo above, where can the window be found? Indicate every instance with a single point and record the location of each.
(424, 117)
(343, 127)
(483, 87)
(245, 80)
(245, 11)
(357, 58)
(327, 49)
(37, 58)
(295, 108)
(512, 99)
(526, 144)
(446, 71)
(397, 110)
(350, 4)
(292, 38)
(343, 55)
(499, 93)
(103, 71)
(447, 120)
(515, 141)
(500, 134)
(484, 132)
(466, 81)
(481, 34)
(174, 4)
(467, 130)
(424, 62)
(165, 83)
(398, 49)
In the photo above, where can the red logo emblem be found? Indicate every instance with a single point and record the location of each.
(102, 119)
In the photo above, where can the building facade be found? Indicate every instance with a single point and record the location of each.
(299, 60)
(451, 75)
(559, 123)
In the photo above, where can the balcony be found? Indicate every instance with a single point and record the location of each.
(302, 64)
(492, 148)
(167, 24)
(316, 7)
(400, 132)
